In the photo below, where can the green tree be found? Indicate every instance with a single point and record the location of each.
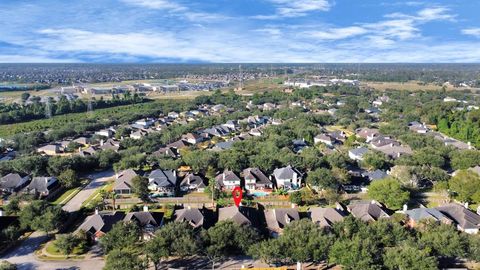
(68, 178)
(140, 187)
(356, 253)
(409, 257)
(304, 241)
(374, 160)
(296, 197)
(66, 243)
(466, 185)
(123, 260)
(464, 159)
(227, 238)
(443, 240)
(173, 239)
(322, 178)
(390, 192)
(122, 235)
(39, 215)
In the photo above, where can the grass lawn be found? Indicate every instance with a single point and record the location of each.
(51, 249)
(95, 195)
(67, 196)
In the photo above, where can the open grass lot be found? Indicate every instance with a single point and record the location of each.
(410, 86)
(262, 85)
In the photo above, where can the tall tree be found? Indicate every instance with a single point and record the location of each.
(390, 192)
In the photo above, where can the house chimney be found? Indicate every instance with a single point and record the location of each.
(145, 208)
(466, 205)
(174, 173)
(1, 213)
(101, 142)
(405, 207)
(478, 210)
(373, 202)
(96, 211)
(293, 205)
(189, 207)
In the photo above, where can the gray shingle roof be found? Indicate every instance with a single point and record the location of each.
(279, 218)
(163, 178)
(326, 216)
(367, 211)
(258, 175)
(285, 172)
(425, 213)
(145, 218)
(465, 218)
(102, 222)
(193, 216)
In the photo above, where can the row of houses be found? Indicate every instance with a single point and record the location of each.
(39, 186)
(273, 221)
(169, 183)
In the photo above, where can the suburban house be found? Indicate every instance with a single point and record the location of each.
(177, 144)
(149, 222)
(123, 182)
(193, 182)
(279, 218)
(192, 138)
(287, 177)
(465, 220)
(163, 182)
(137, 135)
(192, 216)
(375, 175)
(108, 133)
(109, 144)
(241, 215)
(13, 182)
(231, 124)
(418, 127)
(299, 145)
(383, 141)
(425, 214)
(167, 152)
(255, 179)
(338, 135)
(367, 211)
(50, 149)
(326, 216)
(367, 133)
(42, 186)
(394, 151)
(325, 139)
(82, 140)
(98, 224)
(228, 180)
(145, 122)
(357, 153)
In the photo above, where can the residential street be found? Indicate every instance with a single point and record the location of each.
(98, 179)
(23, 254)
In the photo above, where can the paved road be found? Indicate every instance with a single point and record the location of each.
(98, 179)
(23, 254)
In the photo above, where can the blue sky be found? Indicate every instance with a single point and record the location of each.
(107, 31)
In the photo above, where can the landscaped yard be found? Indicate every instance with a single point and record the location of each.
(67, 195)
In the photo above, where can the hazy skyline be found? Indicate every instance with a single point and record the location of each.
(239, 31)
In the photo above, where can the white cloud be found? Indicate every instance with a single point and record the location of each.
(472, 32)
(295, 8)
(157, 4)
(338, 33)
(175, 9)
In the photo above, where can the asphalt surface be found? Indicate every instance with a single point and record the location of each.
(23, 254)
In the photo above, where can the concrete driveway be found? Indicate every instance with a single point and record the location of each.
(98, 180)
(23, 254)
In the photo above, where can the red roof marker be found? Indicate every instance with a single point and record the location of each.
(237, 195)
